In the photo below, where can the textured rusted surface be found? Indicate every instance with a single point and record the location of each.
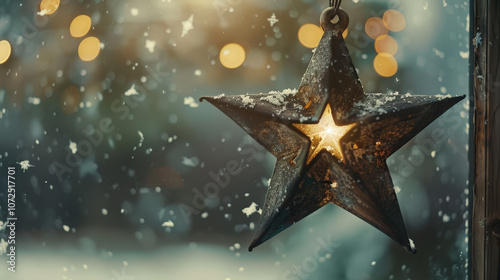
(361, 183)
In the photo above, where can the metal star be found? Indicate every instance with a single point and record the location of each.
(314, 168)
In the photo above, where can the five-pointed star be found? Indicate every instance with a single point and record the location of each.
(352, 172)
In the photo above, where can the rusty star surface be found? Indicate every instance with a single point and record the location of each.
(331, 140)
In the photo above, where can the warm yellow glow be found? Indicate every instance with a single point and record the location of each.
(324, 135)
(5, 51)
(232, 55)
(48, 7)
(394, 20)
(310, 35)
(80, 26)
(89, 48)
(386, 44)
(385, 64)
(375, 27)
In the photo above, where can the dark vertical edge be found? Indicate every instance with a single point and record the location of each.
(486, 125)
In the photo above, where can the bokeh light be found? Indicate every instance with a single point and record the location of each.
(80, 26)
(310, 35)
(232, 55)
(394, 20)
(375, 27)
(385, 65)
(48, 7)
(386, 44)
(89, 48)
(5, 51)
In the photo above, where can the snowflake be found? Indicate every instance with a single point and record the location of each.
(272, 20)
(477, 40)
(25, 165)
(187, 25)
(251, 209)
(131, 91)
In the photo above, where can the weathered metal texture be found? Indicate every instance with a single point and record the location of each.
(485, 157)
(361, 184)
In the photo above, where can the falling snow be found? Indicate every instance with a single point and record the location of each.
(150, 45)
(187, 26)
(25, 165)
(191, 102)
(131, 91)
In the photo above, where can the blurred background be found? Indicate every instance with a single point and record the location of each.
(99, 114)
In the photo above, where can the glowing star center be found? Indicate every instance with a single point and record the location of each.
(324, 135)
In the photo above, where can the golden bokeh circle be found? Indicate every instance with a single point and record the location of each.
(386, 44)
(375, 27)
(385, 65)
(232, 55)
(48, 7)
(5, 51)
(80, 26)
(310, 35)
(394, 20)
(89, 48)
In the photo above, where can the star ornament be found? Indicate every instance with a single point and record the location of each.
(331, 140)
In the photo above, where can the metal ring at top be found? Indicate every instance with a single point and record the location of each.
(326, 19)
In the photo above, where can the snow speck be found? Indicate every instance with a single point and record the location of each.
(66, 228)
(72, 147)
(34, 100)
(204, 215)
(277, 98)
(187, 26)
(104, 211)
(250, 209)
(433, 154)
(194, 161)
(168, 223)
(248, 101)
(374, 262)
(464, 55)
(446, 218)
(131, 91)
(412, 244)
(444, 3)
(197, 72)
(42, 12)
(25, 165)
(397, 189)
(191, 102)
(134, 11)
(478, 40)
(150, 45)
(141, 137)
(272, 20)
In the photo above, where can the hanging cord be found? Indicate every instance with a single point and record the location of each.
(335, 4)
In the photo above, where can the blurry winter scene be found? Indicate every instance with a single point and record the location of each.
(116, 164)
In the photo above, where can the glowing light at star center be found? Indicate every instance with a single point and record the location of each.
(325, 135)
